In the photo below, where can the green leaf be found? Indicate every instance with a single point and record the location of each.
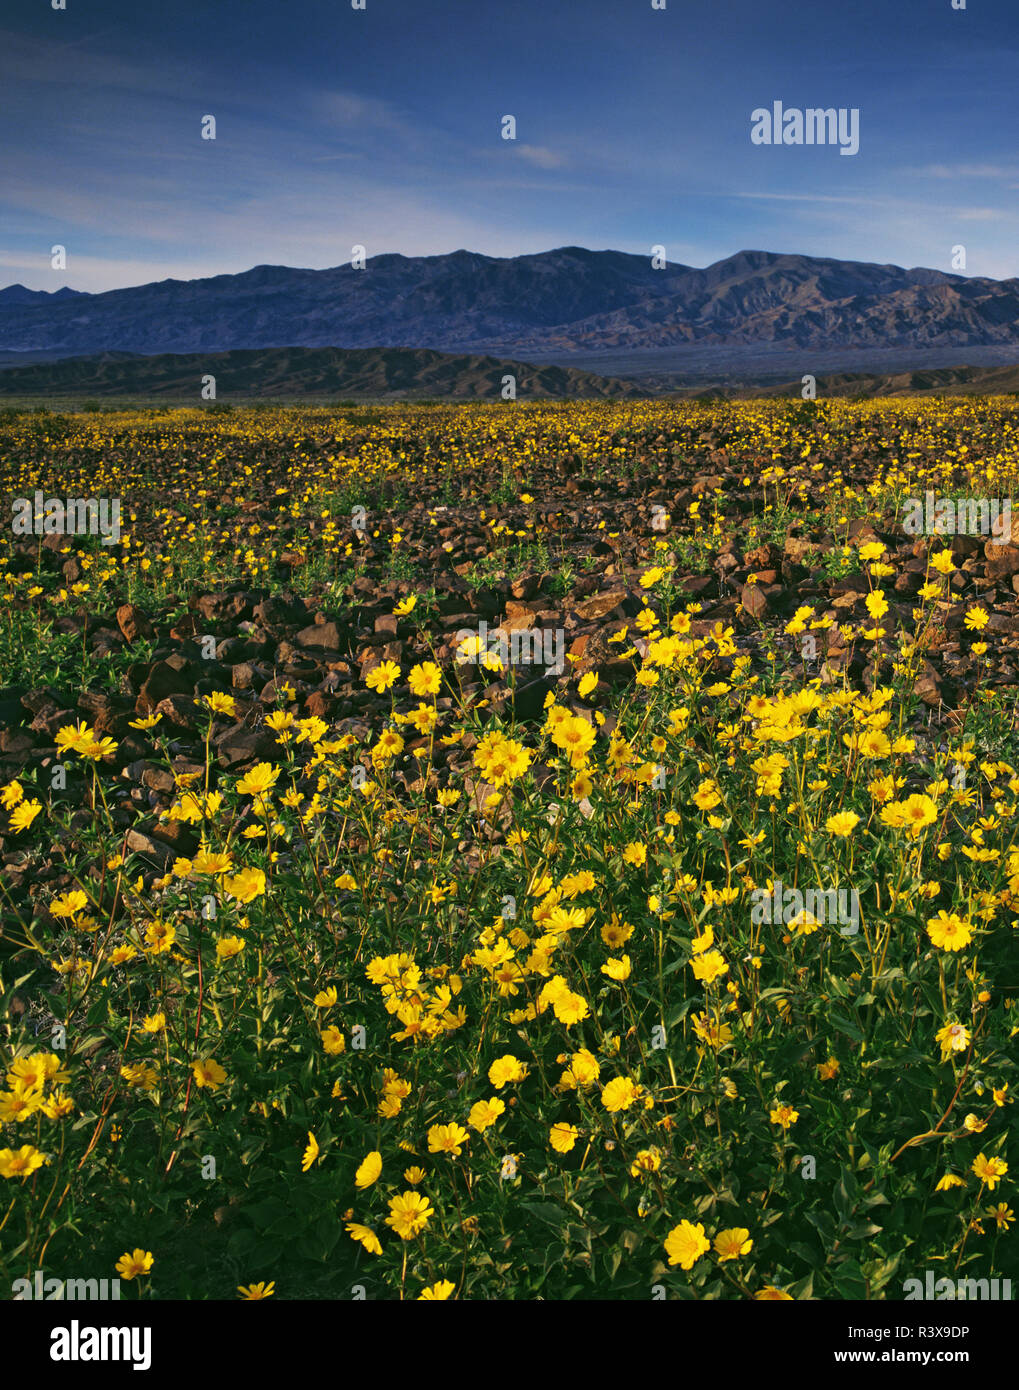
(847, 1026)
(545, 1211)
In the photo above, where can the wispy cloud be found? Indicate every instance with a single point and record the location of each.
(970, 171)
(24, 59)
(803, 198)
(541, 156)
(351, 114)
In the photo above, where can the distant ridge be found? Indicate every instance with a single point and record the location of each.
(562, 301)
(409, 373)
(934, 381)
(18, 294)
(273, 372)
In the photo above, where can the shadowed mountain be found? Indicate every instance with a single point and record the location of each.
(18, 294)
(568, 300)
(274, 372)
(377, 373)
(945, 381)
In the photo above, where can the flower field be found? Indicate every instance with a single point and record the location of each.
(344, 954)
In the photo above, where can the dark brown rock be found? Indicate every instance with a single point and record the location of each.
(754, 602)
(133, 623)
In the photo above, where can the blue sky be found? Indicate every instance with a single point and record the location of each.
(381, 127)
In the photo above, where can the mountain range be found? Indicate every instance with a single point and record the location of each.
(570, 300)
(279, 373)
